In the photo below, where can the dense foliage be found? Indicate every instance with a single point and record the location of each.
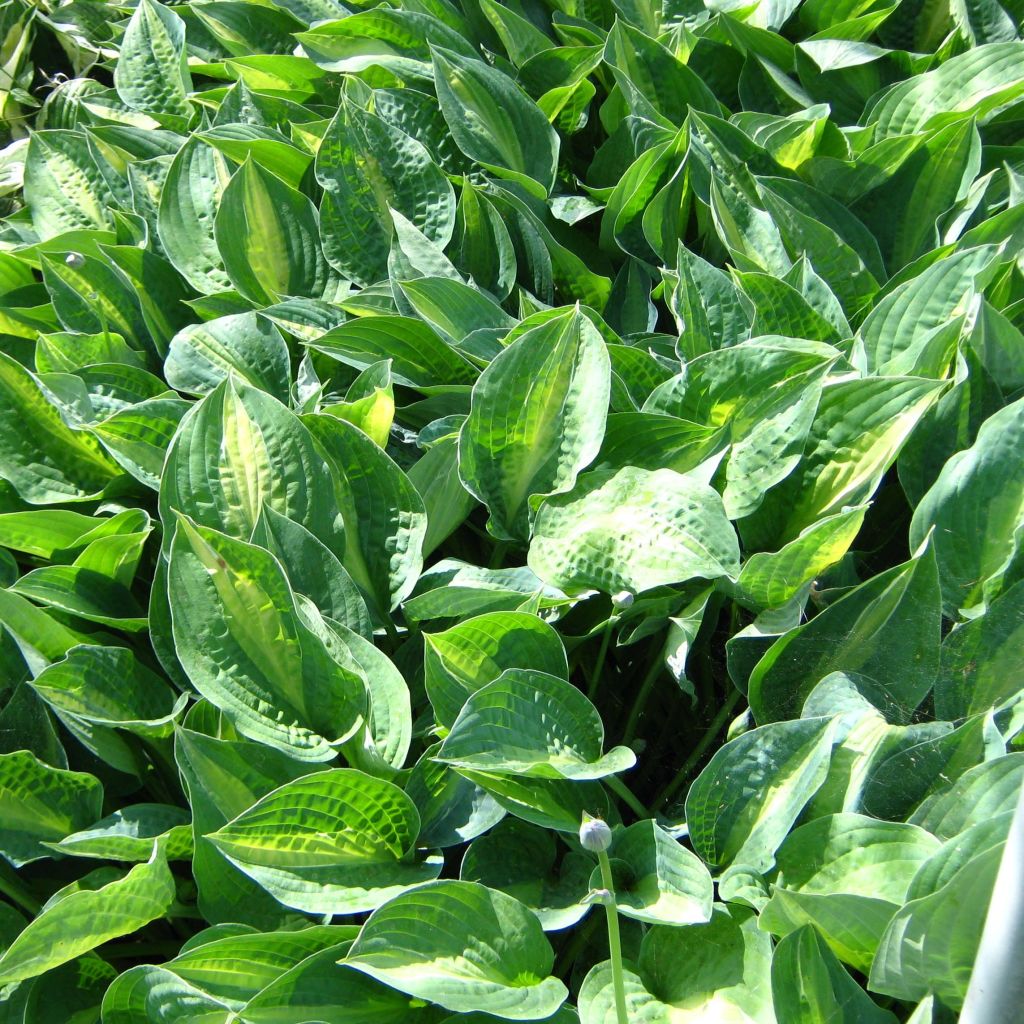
(424, 427)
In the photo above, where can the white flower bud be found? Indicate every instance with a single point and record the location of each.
(623, 599)
(595, 835)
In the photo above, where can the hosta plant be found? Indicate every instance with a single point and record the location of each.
(508, 510)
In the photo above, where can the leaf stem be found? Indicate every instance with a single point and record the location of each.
(625, 794)
(614, 941)
(17, 891)
(594, 680)
(641, 699)
(498, 554)
(698, 751)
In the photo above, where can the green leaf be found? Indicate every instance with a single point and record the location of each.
(319, 988)
(224, 776)
(765, 392)
(453, 810)
(248, 346)
(519, 859)
(977, 496)
(368, 168)
(979, 82)
(494, 122)
(45, 460)
(42, 804)
(887, 629)
(152, 74)
(714, 971)
(128, 835)
(930, 944)
(459, 661)
(743, 804)
(464, 947)
(189, 202)
(978, 659)
(352, 851)
(238, 450)
(810, 986)
(419, 358)
(896, 332)
(247, 647)
(268, 236)
(858, 430)
(657, 880)
(769, 580)
(64, 189)
(633, 530)
(529, 723)
(383, 514)
(83, 920)
(313, 570)
(109, 686)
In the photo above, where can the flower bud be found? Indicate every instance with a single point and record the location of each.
(595, 835)
(623, 599)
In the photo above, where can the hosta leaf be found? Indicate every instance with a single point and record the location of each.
(550, 803)
(224, 777)
(979, 794)
(931, 942)
(657, 880)
(313, 570)
(519, 859)
(771, 579)
(888, 629)
(383, 514)
(45, 460)
(858, 430)
(319, 988)
(529, 723)
(82, 920)
(979, 82)
(128, 835)
(137, 437)
(453, 810)
(419, 358)
(351, 852)
(765, 392)
(464, 947)
(189, 202)
(268, 236)
(745, 801)
(445, 499)
(713, 971)
(251, 348)
(109, 686)
(977, 499)
(42, 804)
(810, 986)
(633, 530)
(537, 419)
(238, 450)
(851, 853)
(896, 332)
(978, 659)
(241, 638)
(152, 73)
(367, 168)
(494, 122)
(459, 661)
(64, 189)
